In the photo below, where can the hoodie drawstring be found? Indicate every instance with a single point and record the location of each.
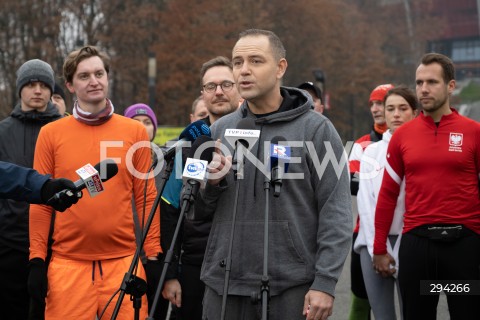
(99, 269)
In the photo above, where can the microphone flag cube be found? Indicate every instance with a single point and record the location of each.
(280, 154)
(195, 169)
(91, 178)
(249, 135)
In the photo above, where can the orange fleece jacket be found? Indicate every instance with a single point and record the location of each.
(101, 227)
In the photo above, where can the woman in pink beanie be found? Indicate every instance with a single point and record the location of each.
(143, 113)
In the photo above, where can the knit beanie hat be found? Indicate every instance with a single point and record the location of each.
(33, 71)
(378, 94)
(58, 90)
(141, 109)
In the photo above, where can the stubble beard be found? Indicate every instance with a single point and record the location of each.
(437, 105)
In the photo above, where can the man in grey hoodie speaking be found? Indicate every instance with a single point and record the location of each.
(310, 223)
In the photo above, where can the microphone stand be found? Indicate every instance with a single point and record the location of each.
(132, 284)
(264, 295)
(191, 189)
(237, 166)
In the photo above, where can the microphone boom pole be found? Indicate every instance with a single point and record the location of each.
(228, 263)
(242, 138)
(194, 178)
(189, 197)
(265, 287)
(129, 282)
(277, 152)
(190, 133)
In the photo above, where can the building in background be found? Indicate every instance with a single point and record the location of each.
(461, 37)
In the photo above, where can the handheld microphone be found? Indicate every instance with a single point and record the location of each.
(90, 178)
(195, 172)
(244, 135)
(196, 165)
(189, 134)
(279, 160)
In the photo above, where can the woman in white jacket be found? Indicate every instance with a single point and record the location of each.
(400, 107)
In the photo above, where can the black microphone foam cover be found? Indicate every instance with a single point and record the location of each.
(245, 124)
(207, 152)
(277, 139)
(110, 171)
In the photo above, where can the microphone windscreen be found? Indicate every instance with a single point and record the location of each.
(277, 139)
(111, 169)
(206, 151)
(195, 130)
(246, 124)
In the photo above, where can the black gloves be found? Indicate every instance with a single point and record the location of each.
(60, 194)
(37, 279)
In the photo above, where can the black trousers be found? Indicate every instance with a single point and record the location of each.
(356, 276)
(421, 258)
(14, 298)
(192, 293)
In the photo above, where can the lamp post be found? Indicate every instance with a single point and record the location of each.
(320, 81)
(320, 78)
(152, 77)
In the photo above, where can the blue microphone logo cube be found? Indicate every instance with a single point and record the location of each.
(195, 168)
(280, 152)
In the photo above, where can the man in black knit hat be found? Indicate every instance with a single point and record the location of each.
(59, 99)
(18, 136)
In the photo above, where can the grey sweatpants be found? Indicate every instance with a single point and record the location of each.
(380, 290)
(288, 305)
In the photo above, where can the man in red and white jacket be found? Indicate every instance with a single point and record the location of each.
(360, 307)
(438, 156)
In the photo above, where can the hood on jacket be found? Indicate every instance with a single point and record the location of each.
(295, 103)
(50, 114)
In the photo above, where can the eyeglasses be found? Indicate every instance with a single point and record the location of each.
(212, 87)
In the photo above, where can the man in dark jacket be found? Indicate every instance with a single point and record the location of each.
(185, 289)
(26, 184)
(18, 136)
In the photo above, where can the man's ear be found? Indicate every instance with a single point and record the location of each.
(282, 68)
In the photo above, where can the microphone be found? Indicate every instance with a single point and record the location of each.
(196, 165)
(90, 178)
(195, 172)
(279, 160)
(189, 134)
(244, 135)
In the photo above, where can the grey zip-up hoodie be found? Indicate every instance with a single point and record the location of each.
(310, 222)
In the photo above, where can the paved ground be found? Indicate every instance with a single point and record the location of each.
(342, 300)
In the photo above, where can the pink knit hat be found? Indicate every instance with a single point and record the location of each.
(140, 109)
